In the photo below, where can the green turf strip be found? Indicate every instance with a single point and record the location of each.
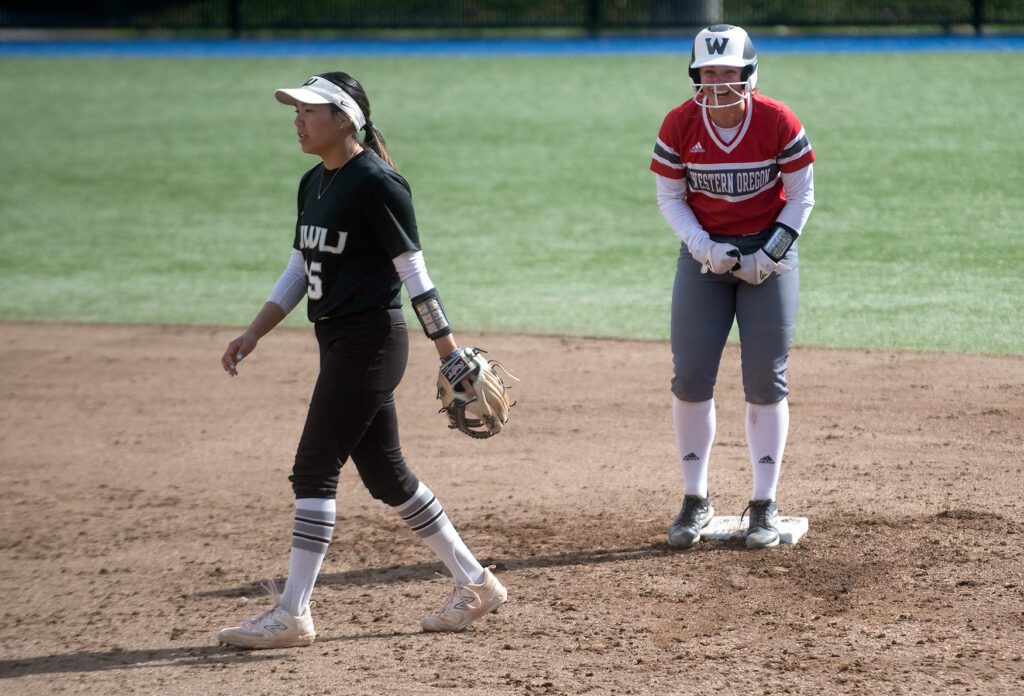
(164, 191)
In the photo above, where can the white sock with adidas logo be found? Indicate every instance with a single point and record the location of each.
(694, 423)
(767, 428)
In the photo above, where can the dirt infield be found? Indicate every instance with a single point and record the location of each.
(143, 494)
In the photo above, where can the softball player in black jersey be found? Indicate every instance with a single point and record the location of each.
(355, 244)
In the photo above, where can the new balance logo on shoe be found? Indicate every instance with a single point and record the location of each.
(766, 459)
(691, 457)
(467, 603)
(274, 627)
(697, 148)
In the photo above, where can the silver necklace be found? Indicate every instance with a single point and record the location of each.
(321, 189)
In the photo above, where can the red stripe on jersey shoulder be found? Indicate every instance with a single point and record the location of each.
(799, 163)
(667, 172)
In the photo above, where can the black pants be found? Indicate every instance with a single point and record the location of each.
(352, 412)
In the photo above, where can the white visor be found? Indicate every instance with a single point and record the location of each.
(317, 90)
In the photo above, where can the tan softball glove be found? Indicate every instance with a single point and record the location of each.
(486, 412)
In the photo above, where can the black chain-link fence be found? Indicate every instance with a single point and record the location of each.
(243, 16)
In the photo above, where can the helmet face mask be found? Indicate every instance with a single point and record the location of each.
(723, 45)
(736, 93)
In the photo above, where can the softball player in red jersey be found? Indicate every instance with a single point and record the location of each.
(355, 244)
(735, 181)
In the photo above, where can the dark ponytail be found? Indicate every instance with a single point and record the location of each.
(373, 138)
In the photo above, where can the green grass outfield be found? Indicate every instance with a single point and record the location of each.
(164, 190)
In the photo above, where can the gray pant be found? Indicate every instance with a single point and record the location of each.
(703, 307)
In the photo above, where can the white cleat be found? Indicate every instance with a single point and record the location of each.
(466, 604)
(271, 628)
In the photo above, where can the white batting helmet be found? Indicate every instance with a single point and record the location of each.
(725, 45)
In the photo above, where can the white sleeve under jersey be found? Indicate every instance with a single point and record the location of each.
(412, 271)
(680, 217)
(291, 286)
(799, 188)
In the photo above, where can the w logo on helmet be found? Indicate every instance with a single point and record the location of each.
(717, 45)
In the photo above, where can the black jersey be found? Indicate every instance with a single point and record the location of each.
(352, 222)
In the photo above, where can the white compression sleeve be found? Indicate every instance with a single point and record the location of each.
(680, 216)
(412, 271)
(291, 286)
(799, 187)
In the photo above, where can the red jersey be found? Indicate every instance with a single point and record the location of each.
(734, 187)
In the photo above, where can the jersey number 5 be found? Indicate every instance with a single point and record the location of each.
(315, 288)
